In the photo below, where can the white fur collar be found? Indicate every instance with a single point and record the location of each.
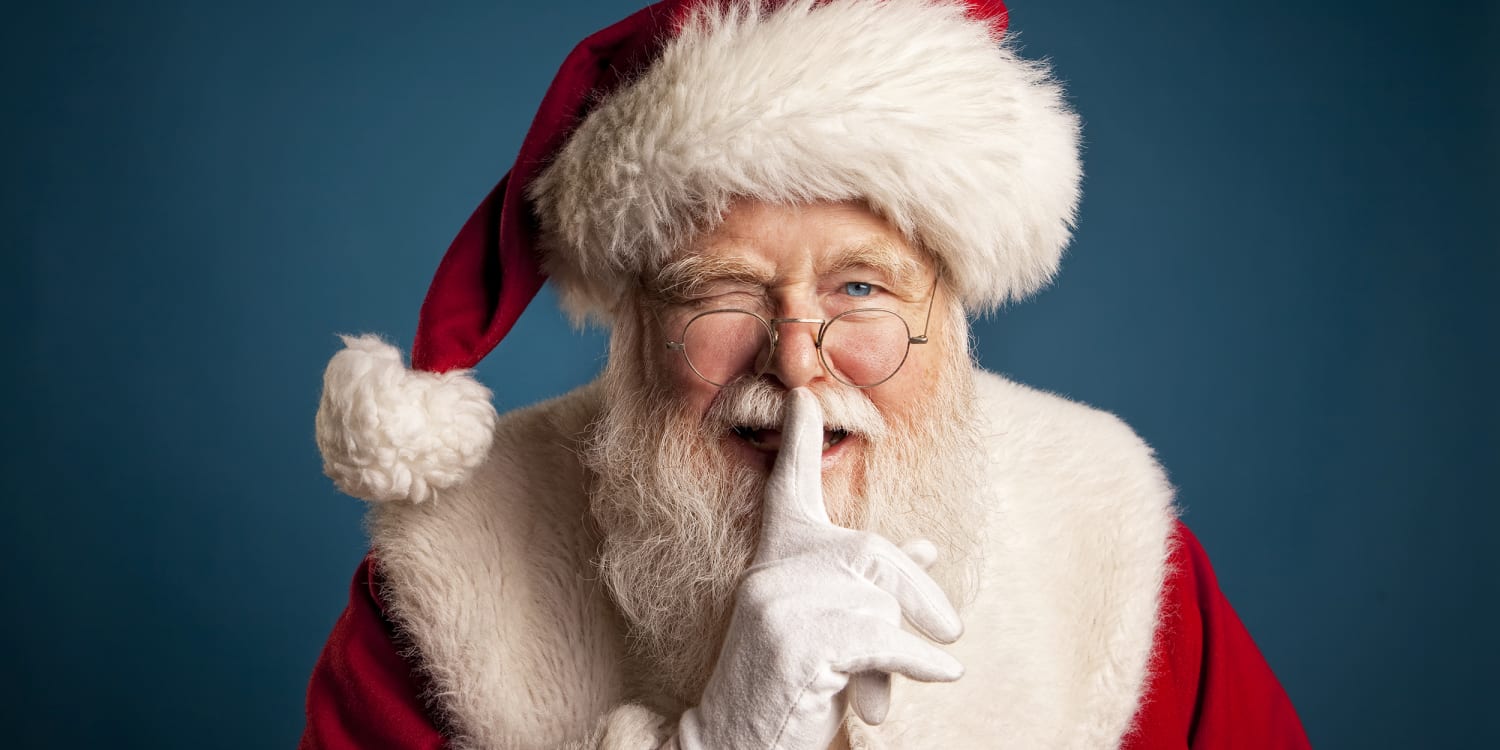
(493, 585)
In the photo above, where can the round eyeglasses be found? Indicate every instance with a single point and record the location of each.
(862, 348)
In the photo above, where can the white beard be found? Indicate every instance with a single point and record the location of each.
(680, 515)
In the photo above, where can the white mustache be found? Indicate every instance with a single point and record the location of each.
(757, 404)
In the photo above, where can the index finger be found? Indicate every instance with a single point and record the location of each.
(795, 488)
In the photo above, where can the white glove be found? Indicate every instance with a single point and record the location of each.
(819, 605)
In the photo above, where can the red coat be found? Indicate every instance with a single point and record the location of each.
(1209, 685)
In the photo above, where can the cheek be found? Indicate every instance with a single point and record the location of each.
(662, 370)
(898, 397)
(679, 380)
(904, 395)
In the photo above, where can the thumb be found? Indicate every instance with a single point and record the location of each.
(870, 696)
(795, 488)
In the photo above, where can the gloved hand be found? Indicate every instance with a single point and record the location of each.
(819, 605)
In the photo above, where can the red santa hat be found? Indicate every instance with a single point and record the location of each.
(654, 125)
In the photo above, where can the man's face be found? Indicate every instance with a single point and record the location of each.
(678, 466)
(814, 262)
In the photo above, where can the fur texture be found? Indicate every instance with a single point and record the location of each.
(390, 433)
(496, 588)
(1076, 554)
(908, 105)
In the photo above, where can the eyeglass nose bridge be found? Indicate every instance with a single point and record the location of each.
(774, 325)
(776, 330)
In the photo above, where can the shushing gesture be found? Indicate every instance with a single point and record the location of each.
(817, 612)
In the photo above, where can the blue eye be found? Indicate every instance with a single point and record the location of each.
(858, 289)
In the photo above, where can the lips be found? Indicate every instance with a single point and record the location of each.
(769, 440)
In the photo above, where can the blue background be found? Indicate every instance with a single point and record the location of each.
(1283, 279)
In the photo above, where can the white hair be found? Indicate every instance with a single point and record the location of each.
(680, 518)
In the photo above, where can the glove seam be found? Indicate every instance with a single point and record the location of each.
(797, 699)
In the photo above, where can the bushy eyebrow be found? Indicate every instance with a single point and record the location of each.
(690, 276)
(903, 273)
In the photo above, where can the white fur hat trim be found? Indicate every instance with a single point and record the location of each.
(908, 105)
(390, 433)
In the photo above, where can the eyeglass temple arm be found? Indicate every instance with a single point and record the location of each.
(921, 338)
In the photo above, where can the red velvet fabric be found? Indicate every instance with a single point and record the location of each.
(1209, 686)
(1209, 689)
(491, 271)
(363, 693)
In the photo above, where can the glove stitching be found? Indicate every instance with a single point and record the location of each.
(776, 741)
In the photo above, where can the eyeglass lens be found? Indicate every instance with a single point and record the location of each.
(860, 348)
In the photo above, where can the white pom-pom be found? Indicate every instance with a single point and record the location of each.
(390, 433)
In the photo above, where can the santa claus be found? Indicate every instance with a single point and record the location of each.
(791, 513)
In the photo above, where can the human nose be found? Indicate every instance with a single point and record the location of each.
(794, 358)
